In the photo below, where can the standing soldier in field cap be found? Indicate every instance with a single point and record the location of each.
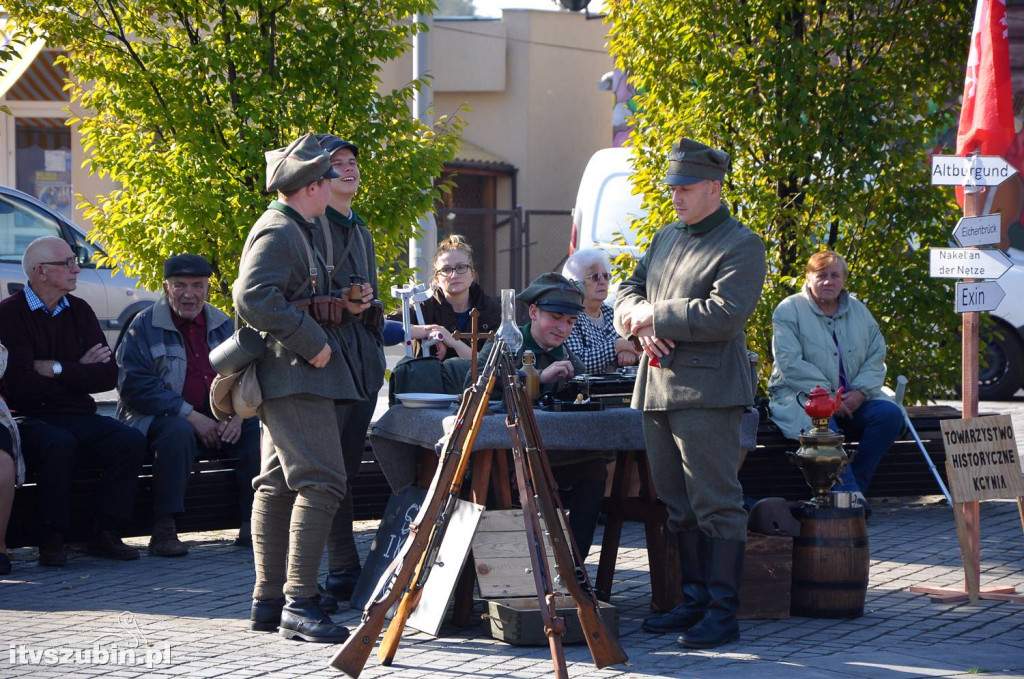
(687, 302)
(302, 379)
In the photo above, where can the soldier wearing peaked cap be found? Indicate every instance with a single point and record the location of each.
(304, 378)
(687, 303)
(555, 304)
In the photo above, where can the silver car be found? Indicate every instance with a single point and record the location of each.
(114, 297)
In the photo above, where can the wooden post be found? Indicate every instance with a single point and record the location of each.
(473, 335)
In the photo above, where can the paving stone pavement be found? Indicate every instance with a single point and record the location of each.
(188, 617)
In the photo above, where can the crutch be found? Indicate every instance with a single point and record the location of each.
(901, 388)
(412, 296)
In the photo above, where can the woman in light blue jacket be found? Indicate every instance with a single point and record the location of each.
(824, 336)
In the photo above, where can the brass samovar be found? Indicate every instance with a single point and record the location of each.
(821, 457)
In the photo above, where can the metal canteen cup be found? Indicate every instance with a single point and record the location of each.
(236, 352)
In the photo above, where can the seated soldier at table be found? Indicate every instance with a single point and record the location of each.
(555, 303)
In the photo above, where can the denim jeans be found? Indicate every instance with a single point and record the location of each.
(875, 425)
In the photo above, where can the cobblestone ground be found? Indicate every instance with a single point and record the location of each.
(188, 617)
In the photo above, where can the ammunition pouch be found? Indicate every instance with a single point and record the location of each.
(325, 310)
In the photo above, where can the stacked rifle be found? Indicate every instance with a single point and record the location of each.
(403, 581)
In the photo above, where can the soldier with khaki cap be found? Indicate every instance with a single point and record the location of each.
(687, 303)
(303, 379)
(555, 304)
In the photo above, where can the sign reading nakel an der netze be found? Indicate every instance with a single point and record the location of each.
(965, 263)
(982, 462)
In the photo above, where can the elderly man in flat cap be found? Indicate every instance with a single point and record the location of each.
(164, 392)
(687, 303)
(555, 304)
(362, 344)
(304, 377)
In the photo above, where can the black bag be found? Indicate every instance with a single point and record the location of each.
(427, 375)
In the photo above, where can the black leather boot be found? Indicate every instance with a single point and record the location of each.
(342, 583)
(725, 569)
(302, 619)
(266, 614)
(693, 554)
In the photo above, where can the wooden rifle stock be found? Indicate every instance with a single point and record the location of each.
(411, 599)
(409, 562)
(604, 646)
(554, 625)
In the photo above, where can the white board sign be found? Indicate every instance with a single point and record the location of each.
(966, 263)
(970, 170)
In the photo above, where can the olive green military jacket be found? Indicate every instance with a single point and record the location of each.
(704, 281)
(274, 270)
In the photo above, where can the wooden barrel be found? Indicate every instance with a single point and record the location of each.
(830, 563)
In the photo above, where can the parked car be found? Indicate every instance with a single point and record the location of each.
(114, 297)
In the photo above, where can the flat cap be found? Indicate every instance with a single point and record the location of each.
(187, 265)
(690, 162)
(554, 292)
(297, 165)
(332, 142)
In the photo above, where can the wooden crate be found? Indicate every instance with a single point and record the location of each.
(519, 622)
(767, 577)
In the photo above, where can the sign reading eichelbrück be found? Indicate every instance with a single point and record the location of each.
(982, 462)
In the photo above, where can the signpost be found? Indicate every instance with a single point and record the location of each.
(984, 296)
(975, 231)
(970, 170)
(965, 263)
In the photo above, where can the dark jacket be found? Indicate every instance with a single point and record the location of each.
(437, 311)
(153, 364)
(36, 336)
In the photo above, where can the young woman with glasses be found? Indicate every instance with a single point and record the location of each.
(456, 294)
(593, 339)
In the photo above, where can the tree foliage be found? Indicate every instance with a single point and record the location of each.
(184, 97)
(829, 109)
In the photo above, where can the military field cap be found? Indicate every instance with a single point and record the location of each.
(297, 165)
(690, 162)
(187, 265)
(332, 142)
(554, 292)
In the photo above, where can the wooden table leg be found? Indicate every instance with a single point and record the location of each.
(624, 461)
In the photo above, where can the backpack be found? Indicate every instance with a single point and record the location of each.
(427, 375)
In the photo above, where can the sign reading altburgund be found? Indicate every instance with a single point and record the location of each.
(982, 462)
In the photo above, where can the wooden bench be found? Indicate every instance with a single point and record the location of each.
(766, 472)
(211, 501)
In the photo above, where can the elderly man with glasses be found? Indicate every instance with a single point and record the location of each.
(58, 357)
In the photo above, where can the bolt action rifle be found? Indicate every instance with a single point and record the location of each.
(403, 581)
(539, 498)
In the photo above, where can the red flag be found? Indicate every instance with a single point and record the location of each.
(986, 120)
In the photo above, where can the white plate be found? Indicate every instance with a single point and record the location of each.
(427, 400)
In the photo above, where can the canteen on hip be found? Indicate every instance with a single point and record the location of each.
(235, 353)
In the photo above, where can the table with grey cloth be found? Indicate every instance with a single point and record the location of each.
(401, 433)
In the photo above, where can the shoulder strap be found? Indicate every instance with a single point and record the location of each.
(312, 262)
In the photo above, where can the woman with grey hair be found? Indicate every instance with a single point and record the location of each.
(593, 338)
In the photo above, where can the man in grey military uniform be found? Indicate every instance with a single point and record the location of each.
(303, 378)
(687, 303)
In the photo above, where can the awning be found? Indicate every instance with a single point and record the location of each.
(472, 156)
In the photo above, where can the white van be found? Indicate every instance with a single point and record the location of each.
(606, 205)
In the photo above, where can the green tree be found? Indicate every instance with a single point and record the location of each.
(183, 97)
(829, 109)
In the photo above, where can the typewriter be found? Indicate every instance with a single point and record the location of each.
(614, 389)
